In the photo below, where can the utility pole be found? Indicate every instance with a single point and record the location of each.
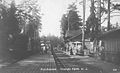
(108, 26)
(92, 6)
(68, 22)
(99, 14)
(83, 33)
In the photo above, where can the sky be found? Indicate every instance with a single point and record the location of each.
(54, 9)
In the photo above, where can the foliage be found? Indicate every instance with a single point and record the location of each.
(9, 23)
(29, 16)
(12, 22)
(17, 25)
(55, 41)
(73, 17)
(64, 25)
(116, 6)
(92, 21)
(70, 20)
(92, 26)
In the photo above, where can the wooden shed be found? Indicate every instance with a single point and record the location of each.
(111, 43)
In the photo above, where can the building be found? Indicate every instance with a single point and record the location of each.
(73, 36)
(110, 46)
(74, 41)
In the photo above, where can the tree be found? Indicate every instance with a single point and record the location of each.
(70, 20)
(9, 26)
(29, 13)
(109, 7)
(64, 25)
(54, 41)
(17, 26)
(29, 16)
(74, 20)
(92, 24)
(92, 21)
(11, 21)
(3, 31)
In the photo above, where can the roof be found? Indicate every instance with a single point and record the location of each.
(72, 33)
(111, 34)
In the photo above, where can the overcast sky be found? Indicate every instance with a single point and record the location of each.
(53, 11)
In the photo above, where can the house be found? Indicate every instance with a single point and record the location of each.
(110, 46)
(74, 41)
(72, 37)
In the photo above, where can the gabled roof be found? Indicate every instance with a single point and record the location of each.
(72, 33)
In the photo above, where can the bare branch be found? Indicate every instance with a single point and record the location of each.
(104, 20)
(107, 18)
(115, 12)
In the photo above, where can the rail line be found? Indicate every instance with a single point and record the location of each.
(60, 66)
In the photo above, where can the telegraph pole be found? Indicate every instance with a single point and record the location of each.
(108, 27)
(99, 14)
(83, 33)
(68, 22)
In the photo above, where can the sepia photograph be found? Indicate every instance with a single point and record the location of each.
(59, 36)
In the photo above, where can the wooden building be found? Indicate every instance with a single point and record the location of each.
(111, 43)
(74, 41)
(72, 37)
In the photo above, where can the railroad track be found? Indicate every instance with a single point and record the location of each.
(60, 66)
